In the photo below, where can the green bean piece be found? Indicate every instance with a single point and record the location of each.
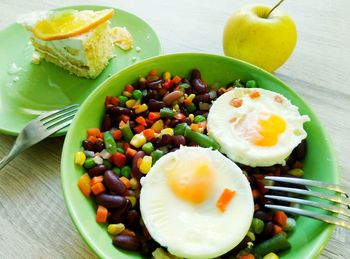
(148, 148)
(120, 150)
(127, 133)
(122, 100)
(275, 244)
(137, 94)
(250, 84)
(107, 163)
(257, 225)
(199, 118)
(184, 85)
(110, 144)
(116, 170)
(180, 129)
(89, 163)
(156, 154)
(191, 107)
(126, 171)
(201, 139)
(166, 112)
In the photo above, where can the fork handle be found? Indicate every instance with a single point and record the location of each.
(16, 149)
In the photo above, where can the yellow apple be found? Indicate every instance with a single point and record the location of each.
(264, 41)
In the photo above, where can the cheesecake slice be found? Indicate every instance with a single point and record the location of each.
(78, 41)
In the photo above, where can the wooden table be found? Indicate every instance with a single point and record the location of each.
(33, 220)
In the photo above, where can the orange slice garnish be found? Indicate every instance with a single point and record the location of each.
(63, 24)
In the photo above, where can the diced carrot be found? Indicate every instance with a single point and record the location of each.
(125, 181)
(107, 100)
(256, 194)
(131, 152)
(96, 179)
(84, 184)
(168, 84)
(153, 72)
(101, 214)
(121, 124)
(139, 128)
(180, 116)
(118, 159)
(236, 102)
(117, 134)
(280, 218)
(224, 199)
(141, 120)
(94, 132)
(128, 232)
(129, 88)
(276, 229)
(176, 79)
(254, 94)
(124, 118)
(98, 188)
(248, 256)
(125, 146)
(114, 100)
(187, 101)
(194, 127)
(148, 133)
(92, 139)
(153, 116)
(256, 207)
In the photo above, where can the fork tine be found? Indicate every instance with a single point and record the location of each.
(320, 205)
(334, 198)
(332, 187)
(60, 126)
(58, 118)
(326, 218)
(49, 114)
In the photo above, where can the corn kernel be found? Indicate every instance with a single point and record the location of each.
(80, 158)
(158, 126)
(167, 76)
(138, 140)
(127, 94)
(142, 108)
(159, 253)
(115, 229)
(251, 235)
(176, 108)
(271, 256)
(168, 131)
(130, 103)
(132, 200)
(191, 116)
(191, 96)
(146, 164)
(134, 183)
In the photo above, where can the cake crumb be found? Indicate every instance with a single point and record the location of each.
(133, 59)
(36, 58)
(138, 49)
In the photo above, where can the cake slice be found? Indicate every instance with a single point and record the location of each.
(78, 41)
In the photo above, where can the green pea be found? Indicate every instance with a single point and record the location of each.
(116, 170)
(107, 163)
(156, 154)
(257, 225)
(122, 100)
(148, 148)
(191, 107)
(137, 94)
(290, 225)
(250, 84)
(89, 163)
(199, 118)
(120, 150)
(166, 112)
(126, 171)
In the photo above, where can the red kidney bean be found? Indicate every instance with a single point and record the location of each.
(127, 242)
(88, 145)
(173, 123)
(196, 74)
(113, 182)
(201, 98)
(155, 105)
(106, 122)
(135, 172)
(264, 216)
(119, 215)
(132, 218)
(165, 140)
(98, 170)
(199, 85)
(268, 229)
(151, 94)
(178, 140)
(99, 146)
(117, 110)
(111, 201)
(300, 151)
(155, 84)
(172, 97)
(148, 246)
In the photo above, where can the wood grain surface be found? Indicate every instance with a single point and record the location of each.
(34, 222)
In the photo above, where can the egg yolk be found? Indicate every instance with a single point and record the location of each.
(193, 185)
(270, 127)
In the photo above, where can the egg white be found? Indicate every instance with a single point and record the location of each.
(196, 230)
(240, 149)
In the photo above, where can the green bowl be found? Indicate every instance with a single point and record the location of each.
(310, 236)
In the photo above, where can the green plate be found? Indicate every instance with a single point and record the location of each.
(28, 90)
(310, 235)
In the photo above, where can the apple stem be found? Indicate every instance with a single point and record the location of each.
(273, 8)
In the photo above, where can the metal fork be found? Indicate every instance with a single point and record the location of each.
(341, 201)
(39, 129)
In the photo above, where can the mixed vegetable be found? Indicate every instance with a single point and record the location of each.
(152, 117)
